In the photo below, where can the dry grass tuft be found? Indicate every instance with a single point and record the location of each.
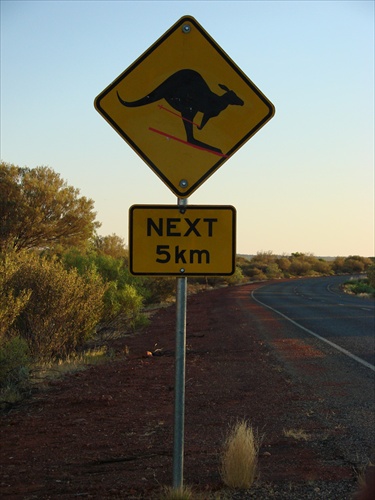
(298, 434)
(365, 475)
(239, 462)
(71, 364)
(183, 493)
(187, 493)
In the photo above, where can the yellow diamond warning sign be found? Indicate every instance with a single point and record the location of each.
(184, 106)
(182, 240)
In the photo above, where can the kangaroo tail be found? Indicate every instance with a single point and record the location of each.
(148, 99)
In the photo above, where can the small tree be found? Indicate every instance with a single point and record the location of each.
(111, 245)
(39, 210)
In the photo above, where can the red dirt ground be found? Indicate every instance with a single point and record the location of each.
(107, 432)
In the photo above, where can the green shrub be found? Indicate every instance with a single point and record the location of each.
(300, 267)
(351, 264)
(10, 304)
(258, 275)
(321, 266)
(371, 275)
(126, 302)
(156, 290)
(63, 308)
(359, 287)
(124, 295)
(108, 267)
(273, 271)
(236, 278)
(14, 362)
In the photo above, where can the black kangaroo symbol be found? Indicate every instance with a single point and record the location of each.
(187, 92)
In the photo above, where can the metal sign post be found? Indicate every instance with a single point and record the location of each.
(180, 360)
(180, 364)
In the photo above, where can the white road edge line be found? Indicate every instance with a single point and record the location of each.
(332, 344)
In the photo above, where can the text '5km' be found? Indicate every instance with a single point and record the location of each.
(191, 240)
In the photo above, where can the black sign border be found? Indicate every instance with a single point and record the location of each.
(185, 209)
(186, 192)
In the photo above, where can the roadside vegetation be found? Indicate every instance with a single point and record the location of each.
(238, 464)
(239, 461)
(266, 265)
(364, 287)
(297, 434)
(361, 287)
(65, 289)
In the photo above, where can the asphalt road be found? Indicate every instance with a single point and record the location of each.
(320, 308)
(324, 339)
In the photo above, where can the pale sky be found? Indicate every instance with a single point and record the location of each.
(304, 182)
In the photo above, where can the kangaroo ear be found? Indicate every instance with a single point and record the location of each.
(224, 87)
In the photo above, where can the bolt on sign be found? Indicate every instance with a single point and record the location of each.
(184, 106)
(170, 240)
